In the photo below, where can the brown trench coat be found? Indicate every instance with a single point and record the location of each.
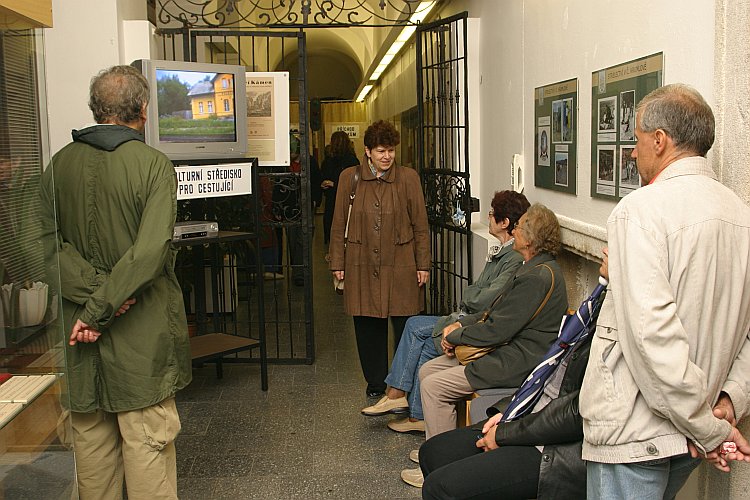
(388, 242)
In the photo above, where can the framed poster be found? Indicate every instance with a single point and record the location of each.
(555, 137)
(615, 92)
(268, 117)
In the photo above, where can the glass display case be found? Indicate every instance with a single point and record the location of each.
(36, 454)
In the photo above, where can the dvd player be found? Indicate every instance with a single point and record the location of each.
(188, 229)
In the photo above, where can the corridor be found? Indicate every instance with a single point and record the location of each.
(305, 437)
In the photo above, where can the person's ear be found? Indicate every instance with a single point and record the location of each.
(143, 112)
(367, 152)
(505, 223)
(660, 141)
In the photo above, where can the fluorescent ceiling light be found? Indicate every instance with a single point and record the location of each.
(419, 15)
(423, 9)
(406, 33)
(364, 93)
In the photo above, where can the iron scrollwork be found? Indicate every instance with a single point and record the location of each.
(284, 13)
(447, 200)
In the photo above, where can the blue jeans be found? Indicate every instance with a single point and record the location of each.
(654, 480)
(415, 349)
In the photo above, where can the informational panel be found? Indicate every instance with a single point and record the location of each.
(555, 137)
(211, 181)
(615, 92)
(268, 117)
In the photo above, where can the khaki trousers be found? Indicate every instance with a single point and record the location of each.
(137, 445)
(443, 383)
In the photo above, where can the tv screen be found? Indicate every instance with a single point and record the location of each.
(195, 106)
(197, 110)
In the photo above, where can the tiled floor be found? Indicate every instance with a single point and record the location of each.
(305, 437)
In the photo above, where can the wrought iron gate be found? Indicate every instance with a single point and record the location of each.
(281, 204)
(442, 148)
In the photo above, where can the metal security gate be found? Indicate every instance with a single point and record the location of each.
(280, 207)
(442, 147)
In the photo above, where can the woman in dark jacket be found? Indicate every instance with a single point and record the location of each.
(536, 456)
(342, 156)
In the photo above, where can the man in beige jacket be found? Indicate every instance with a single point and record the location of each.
(675, 340)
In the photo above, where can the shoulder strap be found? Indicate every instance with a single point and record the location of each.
(506, 288)
(353, 192)
(546, 297)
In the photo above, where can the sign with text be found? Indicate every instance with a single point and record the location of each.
(211, 181)
(351, 130)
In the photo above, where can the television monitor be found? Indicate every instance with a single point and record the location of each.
(196, 110)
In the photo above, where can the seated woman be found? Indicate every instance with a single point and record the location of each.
(537, 456)
(518, 328)
(422, 335)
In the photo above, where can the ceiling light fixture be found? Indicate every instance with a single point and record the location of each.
(364, 93)
(419, 15)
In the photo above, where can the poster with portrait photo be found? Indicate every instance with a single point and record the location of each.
(567, 120)
(556, 121)
(629, 178)
(627, 115)
(606, 119)
(561, 169)
(605, 169)
(544, 146)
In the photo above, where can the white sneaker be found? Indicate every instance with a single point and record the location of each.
(413, 477)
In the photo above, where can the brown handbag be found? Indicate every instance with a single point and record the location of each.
(465, 354)
(338, 284)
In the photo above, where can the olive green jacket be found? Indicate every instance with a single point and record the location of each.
(115, 203)
(521, 336)
(479, 295)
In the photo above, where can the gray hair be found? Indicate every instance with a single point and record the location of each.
(118, 94)
(681, 112)
(542, 229)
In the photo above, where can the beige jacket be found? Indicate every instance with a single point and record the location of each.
(674, 332)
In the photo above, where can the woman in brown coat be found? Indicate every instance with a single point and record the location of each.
(386, 258)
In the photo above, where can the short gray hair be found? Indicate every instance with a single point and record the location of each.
(118, 94)
(542, 229)
(682, 113)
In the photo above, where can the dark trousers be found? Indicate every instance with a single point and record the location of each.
(372, 345)
(454, 468)
(328, 216)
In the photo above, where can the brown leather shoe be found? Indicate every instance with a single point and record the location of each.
(385, 406)
(406, 425)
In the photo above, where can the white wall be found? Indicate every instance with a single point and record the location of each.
(531, 43)
(82, 42)
(85, 39)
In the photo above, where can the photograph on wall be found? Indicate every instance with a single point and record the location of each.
(557, 121)
(605, 169)
(561, 169)
(615, 93)
(607, 118)
(543, 149)
(556, 136)
(268, 117)
(567, 120)
(629, 178)
(627, 115)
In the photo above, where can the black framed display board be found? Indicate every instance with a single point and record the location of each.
(556, 140)
(615, 92)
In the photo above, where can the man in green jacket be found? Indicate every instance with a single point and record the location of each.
(115, 202)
